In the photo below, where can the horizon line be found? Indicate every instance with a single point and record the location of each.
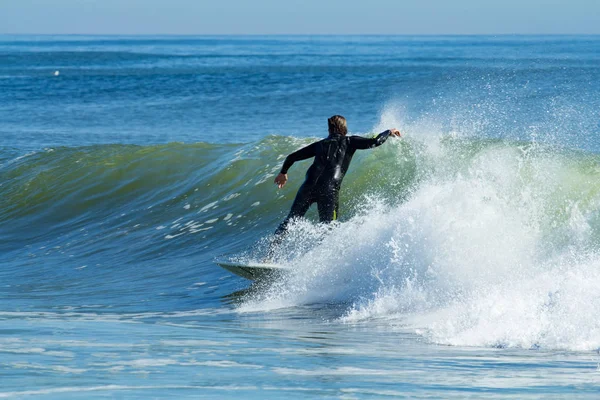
(298, 34)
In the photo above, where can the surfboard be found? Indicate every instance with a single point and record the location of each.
(253, 271)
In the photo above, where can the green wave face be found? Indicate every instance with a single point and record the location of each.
(62, 189)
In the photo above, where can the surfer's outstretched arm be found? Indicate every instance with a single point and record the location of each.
(362, 143)
(302, 154)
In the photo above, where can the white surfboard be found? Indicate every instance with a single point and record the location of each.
(253, 271)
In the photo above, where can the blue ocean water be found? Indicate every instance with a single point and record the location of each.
(466, 263)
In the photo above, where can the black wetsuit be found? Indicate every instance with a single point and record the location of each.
(324, 177)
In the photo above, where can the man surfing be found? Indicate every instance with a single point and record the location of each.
(324, 177)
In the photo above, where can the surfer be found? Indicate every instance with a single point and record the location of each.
(324, 177)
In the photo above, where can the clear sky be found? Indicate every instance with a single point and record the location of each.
(300, 16)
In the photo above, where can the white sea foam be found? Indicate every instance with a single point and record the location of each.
(493, 248)
(208, 207)
(231, 196)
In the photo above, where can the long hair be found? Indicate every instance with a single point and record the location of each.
(337, 125)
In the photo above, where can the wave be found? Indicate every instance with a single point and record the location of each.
(65, 186)
(468, 241)
(62, 186)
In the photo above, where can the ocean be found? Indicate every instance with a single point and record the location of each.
(465, 263)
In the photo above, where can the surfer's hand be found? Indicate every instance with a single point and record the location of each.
(280, 180)
(395, 132)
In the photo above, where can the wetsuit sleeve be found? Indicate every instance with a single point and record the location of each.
(361, 143)
(302, 154)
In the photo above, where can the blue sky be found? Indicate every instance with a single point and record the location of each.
(300, 16)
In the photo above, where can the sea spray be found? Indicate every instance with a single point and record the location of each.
(498, 248)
